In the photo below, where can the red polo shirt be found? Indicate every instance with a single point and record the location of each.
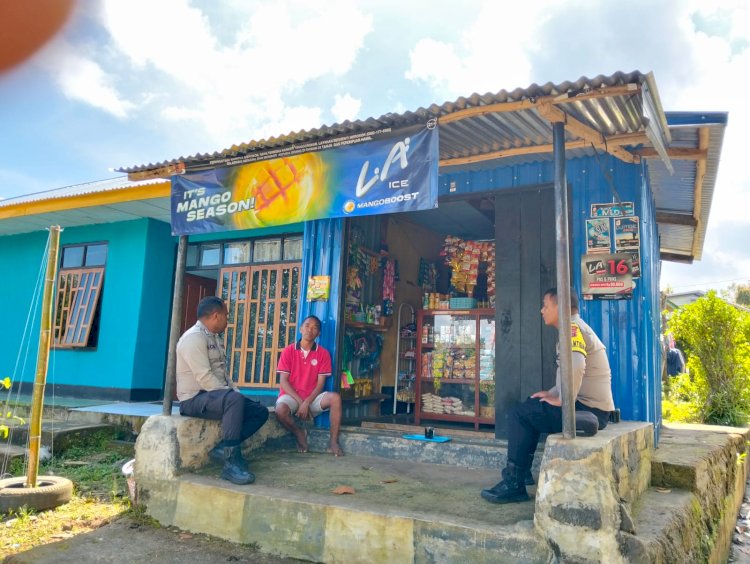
(303, 372)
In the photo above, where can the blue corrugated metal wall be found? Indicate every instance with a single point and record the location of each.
(629, 328)
(322, 254)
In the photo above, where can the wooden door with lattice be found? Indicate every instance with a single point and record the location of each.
(263, 304)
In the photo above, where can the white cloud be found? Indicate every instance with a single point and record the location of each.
(345, 107)
(82, 79)
(236, 86)
(494, 52)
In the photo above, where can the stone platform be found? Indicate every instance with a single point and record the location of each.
(413, 501)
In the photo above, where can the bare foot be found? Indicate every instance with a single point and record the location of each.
(335, 449)
(301, 436)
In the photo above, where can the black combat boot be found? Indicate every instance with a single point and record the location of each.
(511, 489)
(217, 453)
(235, 468)
(528, 479)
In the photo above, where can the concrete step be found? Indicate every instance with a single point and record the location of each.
(691, 457)
(8, 453)
(57, 435)
(663, 517)
(399, 511)
(459, 451)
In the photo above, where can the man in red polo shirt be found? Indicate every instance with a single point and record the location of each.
(303, 368)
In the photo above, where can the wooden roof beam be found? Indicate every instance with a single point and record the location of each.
(674, 153)
(700, 175)
(531, 103)
(673, 218)
(585, 132)
(676, 257)
(504, 153)
(620, 139)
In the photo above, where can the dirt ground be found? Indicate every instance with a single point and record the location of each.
(128, 540)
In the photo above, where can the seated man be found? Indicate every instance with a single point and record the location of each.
(541, 413)
(205, 389)
(303, 368)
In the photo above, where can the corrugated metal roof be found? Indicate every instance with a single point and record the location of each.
(675, 193)
(118, 183)
(34, 212)
(609, 105)
(621, 114)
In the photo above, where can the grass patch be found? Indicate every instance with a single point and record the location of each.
(99, 496)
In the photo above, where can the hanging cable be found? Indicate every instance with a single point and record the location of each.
(606, 174)
(24, 345)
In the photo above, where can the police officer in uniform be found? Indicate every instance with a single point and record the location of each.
(591, 380)
(205, 389)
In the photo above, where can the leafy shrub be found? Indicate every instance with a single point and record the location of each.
(715, 337)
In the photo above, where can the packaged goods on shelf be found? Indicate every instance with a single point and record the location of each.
(464, 258)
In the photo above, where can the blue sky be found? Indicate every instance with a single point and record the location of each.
(141, 81)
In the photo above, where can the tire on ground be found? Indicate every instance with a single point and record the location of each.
(51, 491)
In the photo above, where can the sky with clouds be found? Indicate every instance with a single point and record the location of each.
(141, 81)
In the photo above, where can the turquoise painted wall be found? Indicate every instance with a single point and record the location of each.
(20, 257)
(150, 354)
(138, 254)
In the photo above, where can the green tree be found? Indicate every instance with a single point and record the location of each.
(742, 294)
(738, 293)
(715, 337)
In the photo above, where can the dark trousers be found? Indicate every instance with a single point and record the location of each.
(240, 417)
(528, 420)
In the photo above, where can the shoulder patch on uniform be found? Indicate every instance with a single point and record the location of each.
(577, 344)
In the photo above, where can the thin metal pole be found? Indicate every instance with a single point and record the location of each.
(40, 380)
(563, 282)
(174, 328)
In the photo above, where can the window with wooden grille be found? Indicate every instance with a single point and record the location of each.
(79, 288)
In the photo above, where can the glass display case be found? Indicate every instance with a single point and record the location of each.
(456, 366)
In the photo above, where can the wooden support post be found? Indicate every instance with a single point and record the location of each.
(563, 282)
(174, 329)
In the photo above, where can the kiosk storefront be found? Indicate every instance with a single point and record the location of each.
(451, 211)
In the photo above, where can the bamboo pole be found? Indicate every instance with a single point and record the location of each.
(174, 330)
(40, 380)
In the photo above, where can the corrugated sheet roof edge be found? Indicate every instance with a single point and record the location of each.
(117, 183)
(692, 119)
(409, 117)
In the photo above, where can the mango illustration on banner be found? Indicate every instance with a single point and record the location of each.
(283, 189)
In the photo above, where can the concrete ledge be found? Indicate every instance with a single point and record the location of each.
(709, 463)
(58, 435)
(460, 451)
(169, 445)
(291, 511)
(593, 502)
(585, 486)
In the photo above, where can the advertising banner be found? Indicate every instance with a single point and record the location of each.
(627, 234)
(612, 210)
(598, 239)
(356, 175)
(607, 277)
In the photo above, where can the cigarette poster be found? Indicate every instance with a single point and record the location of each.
(627, 234)
(318, 288)
(612, 210)
(607, 276)
(635, 262)
(598, 239)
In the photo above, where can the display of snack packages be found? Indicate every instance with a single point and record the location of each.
(464, 258)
